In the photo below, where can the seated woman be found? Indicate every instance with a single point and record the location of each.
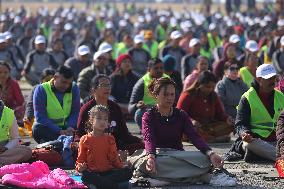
(231, 88)
(280, 145)
(10, 92)
(163, 127)
(101, 92)
(202, 65)
(123, 81)
(10, 149)
(206, 110)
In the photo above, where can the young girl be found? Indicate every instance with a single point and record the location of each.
(98, 159)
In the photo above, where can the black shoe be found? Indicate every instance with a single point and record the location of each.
(232, 156)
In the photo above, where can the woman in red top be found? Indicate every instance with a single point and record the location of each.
(206, 109)
(10, 92)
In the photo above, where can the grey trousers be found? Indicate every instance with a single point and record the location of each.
(262, 148)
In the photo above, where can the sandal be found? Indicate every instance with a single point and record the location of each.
(142, 183)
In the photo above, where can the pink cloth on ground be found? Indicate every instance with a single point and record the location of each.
(37, 175)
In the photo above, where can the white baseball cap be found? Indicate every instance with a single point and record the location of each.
(122, 23)
(40, 39)
(282, 41)
(98, 54)
(252, 46)
(109, 25)
(176, 34)
(2, 38)
(265, 71)
(280, 23)
(138, 39)
(17, 19)
(173, 22)
(68, 26)
(162, 19)
(105, 47)
(193, 42)
(212, 26)
(8, 35)
(83, 50)
(234, 38)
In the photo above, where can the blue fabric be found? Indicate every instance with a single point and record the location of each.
(66, 151)
(169, 63)
(39, 99)
(77, 178)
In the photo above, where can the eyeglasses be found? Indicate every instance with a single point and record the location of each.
(232, 68)
(106, 85)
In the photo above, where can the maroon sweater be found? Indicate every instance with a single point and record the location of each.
(121, 134)
(161, 132)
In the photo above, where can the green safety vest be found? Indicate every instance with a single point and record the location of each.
(6, 123)
(114, 49)
(205, 53)
(153, 50)
(162, 44)
(213, 42)
(121, 49)
(100, 25)
(247, 77)
(266, 58)
(55, 111)
(162, 33)
(260, 120)
(148, 99)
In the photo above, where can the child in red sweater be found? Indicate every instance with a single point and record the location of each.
(98, 159)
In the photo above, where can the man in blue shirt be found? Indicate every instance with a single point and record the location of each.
(56, 106)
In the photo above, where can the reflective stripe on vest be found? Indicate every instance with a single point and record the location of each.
(54, 110)
(247, 77)
(147, 98)
(6, 123)
(153, 50)
(260, 120)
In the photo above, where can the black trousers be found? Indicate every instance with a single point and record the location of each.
(113, 179)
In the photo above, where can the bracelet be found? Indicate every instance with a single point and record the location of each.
(211, 152)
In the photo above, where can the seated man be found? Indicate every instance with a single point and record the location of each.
(258, 111)
(10, 150)
(141, 99)
(56, 106)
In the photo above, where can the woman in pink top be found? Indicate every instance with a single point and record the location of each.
(201, 66)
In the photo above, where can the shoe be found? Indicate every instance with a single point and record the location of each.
(232, 156)
(221, 179)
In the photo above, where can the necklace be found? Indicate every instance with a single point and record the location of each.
(167, 115)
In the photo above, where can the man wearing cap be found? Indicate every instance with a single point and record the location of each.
(235, 39)
(174, 49)
(189, 61)
(37, 60)
(57, 51)
(161, 29)
(150, 44)
(278, 57)
(140, 99)
(69, 39)
(106, 48)
(56, 106)
(17, 54)
(250, 47)
(213, 37)
(99, 66)
(257, 114)
(8, 56)
(24, 41)
(139, 56)
(17, 29)
(79, 62)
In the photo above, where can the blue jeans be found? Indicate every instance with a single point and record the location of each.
(43, 134)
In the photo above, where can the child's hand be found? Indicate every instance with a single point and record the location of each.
(81, 167)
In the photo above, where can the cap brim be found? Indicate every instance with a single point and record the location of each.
(107, 50)
(235, 41)
(40, 42)
(253, 49)
(84, 53)
(268, 76)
